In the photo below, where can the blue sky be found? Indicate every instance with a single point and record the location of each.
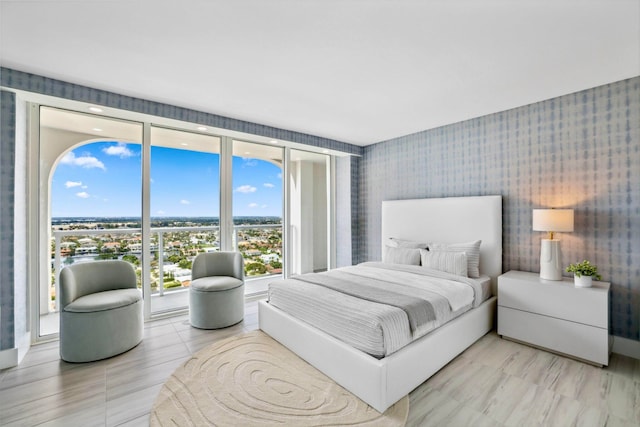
(103, 179)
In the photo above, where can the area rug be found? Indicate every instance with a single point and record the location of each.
(252, 380)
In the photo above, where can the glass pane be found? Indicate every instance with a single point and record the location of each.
(92, 210)
(257, 211)
(185, 210)
(308, 212)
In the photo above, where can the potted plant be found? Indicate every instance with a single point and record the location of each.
(583, 273)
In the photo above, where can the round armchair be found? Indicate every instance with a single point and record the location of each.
(216, 292)
(100, 310)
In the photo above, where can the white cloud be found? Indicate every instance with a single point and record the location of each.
(83, 195)
(246, 189)
(184, 202)
(85, 161)
(160, 212)
(253, 205)
(119, 150)
(70, 184)
(269, 185)
(247, 161)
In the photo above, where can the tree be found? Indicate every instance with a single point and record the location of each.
(175, 259)
(132, 259)
(255, 268)
(276, 264)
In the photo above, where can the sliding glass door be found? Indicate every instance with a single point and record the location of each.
(184, 189)
(90, 206)
(257, 201)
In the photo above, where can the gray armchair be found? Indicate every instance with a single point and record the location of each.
(100, 310)
(216, 293)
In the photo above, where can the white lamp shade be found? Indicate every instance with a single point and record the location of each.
(553, 219)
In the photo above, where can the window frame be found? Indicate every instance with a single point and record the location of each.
(38, 250)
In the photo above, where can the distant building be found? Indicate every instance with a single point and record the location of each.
(85, 250)
(182, 275)
(269, 258)
(110, 246)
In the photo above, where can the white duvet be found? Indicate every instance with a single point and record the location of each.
(375, 328)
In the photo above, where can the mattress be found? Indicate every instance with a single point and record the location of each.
(373, 327)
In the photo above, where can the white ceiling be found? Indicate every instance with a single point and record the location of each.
(356, 71)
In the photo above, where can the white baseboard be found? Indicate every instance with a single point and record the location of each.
(8, 358)
(626, 347)
(13, 356)
(24, 345)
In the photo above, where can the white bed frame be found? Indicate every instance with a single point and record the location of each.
(382, 382)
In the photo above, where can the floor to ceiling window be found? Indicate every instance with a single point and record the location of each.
(90, 209)
(257, 210)
(185, 211)
(157, 195)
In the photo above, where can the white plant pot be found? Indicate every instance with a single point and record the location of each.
(583, 281)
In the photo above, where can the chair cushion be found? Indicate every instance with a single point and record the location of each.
(106, 300)
(215, 283)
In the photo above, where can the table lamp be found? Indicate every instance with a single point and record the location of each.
(551, 221)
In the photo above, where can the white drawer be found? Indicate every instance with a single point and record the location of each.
(575, 339)
(559, 299)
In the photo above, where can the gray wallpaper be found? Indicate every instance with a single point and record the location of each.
(7, 168)
(579, 151)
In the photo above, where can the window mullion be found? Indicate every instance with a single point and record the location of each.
(146, 218)
(226, 192)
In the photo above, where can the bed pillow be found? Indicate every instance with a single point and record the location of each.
(402, 243)
(393, 255)
(472, 249)
(454, 262)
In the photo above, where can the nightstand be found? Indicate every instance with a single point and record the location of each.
(555, 315)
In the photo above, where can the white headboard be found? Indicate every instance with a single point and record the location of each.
(450, 220)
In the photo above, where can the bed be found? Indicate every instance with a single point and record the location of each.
(381, 381)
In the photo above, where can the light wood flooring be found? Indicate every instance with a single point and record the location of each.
(495, 382)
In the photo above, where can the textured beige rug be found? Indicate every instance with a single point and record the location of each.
(252, 380)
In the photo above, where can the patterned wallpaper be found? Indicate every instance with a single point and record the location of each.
(579, 151)
(7, 154)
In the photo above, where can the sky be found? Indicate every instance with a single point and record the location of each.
(103, 179)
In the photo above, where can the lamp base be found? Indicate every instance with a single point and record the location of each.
(550, 260)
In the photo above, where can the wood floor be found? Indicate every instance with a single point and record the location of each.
(494, 382)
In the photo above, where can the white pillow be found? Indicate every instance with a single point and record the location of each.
(472, 249)
(454, 262)
(402, 243)
(401, 255)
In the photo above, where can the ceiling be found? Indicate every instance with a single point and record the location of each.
(358, 71)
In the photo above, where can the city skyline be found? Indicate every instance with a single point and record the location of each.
(103, 179)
